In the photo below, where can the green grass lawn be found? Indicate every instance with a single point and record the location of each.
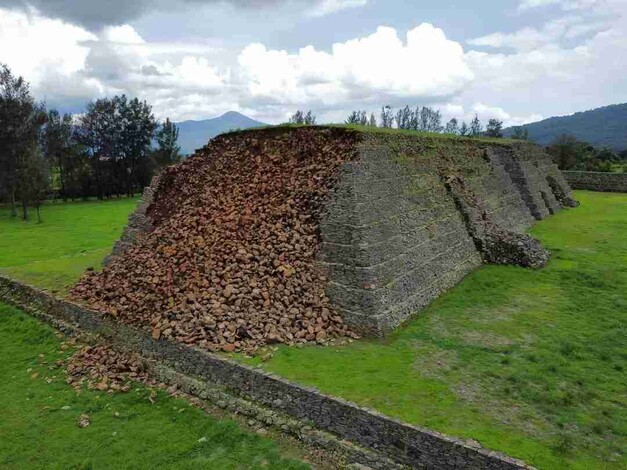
(72, 237)
(528, 362)
(39, 416)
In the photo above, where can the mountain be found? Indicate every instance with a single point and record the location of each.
(195, 134)
(602, 127)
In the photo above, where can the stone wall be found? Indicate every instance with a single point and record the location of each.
(138, 222)
(412, 215)
(403, 443)
(390, 226)
(597, 181)
(536, 178)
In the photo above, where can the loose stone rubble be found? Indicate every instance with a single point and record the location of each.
(230, 264)
(104, 369)
(496, 244)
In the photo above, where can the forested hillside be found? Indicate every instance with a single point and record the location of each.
(601, 127)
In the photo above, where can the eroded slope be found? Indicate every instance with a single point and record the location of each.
(230, 261)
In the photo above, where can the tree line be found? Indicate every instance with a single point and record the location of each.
(567, 152)
(106, 152)
(571, 154)
(428, 119)
(423, 118)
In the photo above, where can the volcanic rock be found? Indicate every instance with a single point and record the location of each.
(230, 264)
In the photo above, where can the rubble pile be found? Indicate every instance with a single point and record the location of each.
(230, 262)
(496, 244)
(102, 368)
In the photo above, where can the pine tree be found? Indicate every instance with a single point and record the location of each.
(34, 180)
(21, 120)
(310, 119)
(299, 117)
(168, 151)
(387, 117)
(452, 127)
(137, 129)
(475, 126)
(404, 118)
(414, 119)
(58, 148)
(353, 118)
(435, 121)
(464, 129)
(494, 128)
(117, 134)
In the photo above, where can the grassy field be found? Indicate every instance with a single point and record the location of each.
(72, 237)
(39, 415)
(528, 362)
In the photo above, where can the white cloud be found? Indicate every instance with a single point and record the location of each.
(525, 38)
(564, 4)
(68, 66)
(327, 7)
(466, 112)
(494, 112)
(95, 15)
(123, 34)
(451, 110)
(570, 63)
(374, 68)
(552, 33)
(528, 4)
(32, 44)
(517, 72)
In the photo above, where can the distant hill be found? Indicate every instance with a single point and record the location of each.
(602, 127)
(195, 134)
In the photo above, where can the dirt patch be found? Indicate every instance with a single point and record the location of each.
(485, 339)
(434, 363)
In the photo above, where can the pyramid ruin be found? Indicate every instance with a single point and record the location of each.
(298, 234)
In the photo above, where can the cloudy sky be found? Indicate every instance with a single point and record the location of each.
(520, 61)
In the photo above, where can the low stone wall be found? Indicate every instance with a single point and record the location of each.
(403, 443)
(597, 181)
(138, 223)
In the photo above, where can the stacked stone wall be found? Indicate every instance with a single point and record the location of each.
(394, 235)
(138, 222)
(531, 171)
(597, 181)
(390, 227)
